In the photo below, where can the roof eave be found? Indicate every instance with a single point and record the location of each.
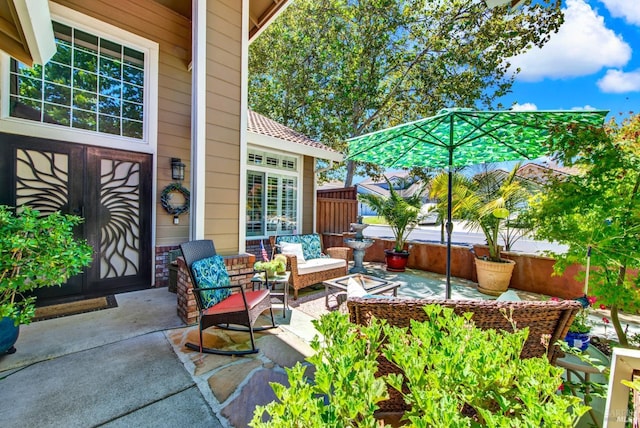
(27, 34)
(260, 23)
(292, 147)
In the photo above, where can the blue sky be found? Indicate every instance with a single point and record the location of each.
(593, 62)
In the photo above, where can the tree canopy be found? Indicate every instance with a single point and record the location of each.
(597, 212)
(336, 69)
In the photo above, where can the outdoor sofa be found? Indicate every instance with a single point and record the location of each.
(548, 317)
(312, 265)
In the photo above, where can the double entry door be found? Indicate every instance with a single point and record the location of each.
(110, 189)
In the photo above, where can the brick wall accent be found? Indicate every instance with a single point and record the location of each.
(253, 247)
(162, 264)
(187, 309)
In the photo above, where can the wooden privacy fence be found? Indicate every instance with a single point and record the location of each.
(336, 210)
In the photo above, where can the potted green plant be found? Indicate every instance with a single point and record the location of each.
(579, 332)
(492, 203)
(35, 251)
(402, 214)
(272, 267)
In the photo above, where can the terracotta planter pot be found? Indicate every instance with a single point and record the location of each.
(396, 262)
(494, 277)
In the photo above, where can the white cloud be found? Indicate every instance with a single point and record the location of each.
(582, 46)
(626, 9)
(524, 107)
(619, 82)
(587, 107)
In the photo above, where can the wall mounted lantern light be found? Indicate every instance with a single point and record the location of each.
(177, 169)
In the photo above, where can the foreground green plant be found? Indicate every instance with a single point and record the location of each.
(36, 251)
(344, 391)
(457, 376)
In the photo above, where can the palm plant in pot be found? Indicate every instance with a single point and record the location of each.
(492, 205)
(402, 214)
(35, 251)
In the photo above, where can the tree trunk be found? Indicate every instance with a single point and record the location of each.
(615, 320)
(348, 181)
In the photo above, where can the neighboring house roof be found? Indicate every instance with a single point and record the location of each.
(541, 173)
(391, 175)
(372, 188)
(330, 185)
(272, 134)
(379, 186)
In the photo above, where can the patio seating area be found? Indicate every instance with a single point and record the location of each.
(143, 353)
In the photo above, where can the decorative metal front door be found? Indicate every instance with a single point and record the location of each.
(111, 189)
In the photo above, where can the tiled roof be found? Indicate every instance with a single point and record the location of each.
(263, 125)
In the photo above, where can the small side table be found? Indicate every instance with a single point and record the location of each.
(271, 283)
(586, 373)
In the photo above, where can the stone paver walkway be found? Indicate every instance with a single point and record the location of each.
(234, 386)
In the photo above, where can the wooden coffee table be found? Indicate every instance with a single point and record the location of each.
(372, 284)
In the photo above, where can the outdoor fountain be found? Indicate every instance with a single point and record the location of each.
(359, 244)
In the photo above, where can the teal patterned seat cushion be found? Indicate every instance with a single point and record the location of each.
(211, 272)
(311, 246)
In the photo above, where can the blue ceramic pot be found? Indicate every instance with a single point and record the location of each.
(578, 340)
(8, 335)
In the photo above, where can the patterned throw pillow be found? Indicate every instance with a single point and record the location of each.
(292, 239)
(311, 246)
(211, 272)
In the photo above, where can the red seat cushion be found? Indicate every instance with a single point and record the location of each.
(234, 303)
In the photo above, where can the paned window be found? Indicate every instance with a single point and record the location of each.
(272, 195)
(91, 83)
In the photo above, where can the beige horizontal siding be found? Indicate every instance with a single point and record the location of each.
(172, 32)
(222, 195)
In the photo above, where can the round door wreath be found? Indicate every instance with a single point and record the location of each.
(165, 199)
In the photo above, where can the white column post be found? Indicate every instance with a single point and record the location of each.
(198, 117)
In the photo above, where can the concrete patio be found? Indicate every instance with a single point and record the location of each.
(127, 366)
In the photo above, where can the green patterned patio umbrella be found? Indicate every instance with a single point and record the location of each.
(461, 137)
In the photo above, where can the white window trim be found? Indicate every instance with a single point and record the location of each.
(298, 174)
(91, 25)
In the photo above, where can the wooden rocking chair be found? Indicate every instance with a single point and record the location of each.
(217, 304)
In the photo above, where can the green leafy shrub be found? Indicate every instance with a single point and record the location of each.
(457, 376)
(345, 388)
(36, 251)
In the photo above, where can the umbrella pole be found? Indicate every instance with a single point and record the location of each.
(449, 223)
(586, 276)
